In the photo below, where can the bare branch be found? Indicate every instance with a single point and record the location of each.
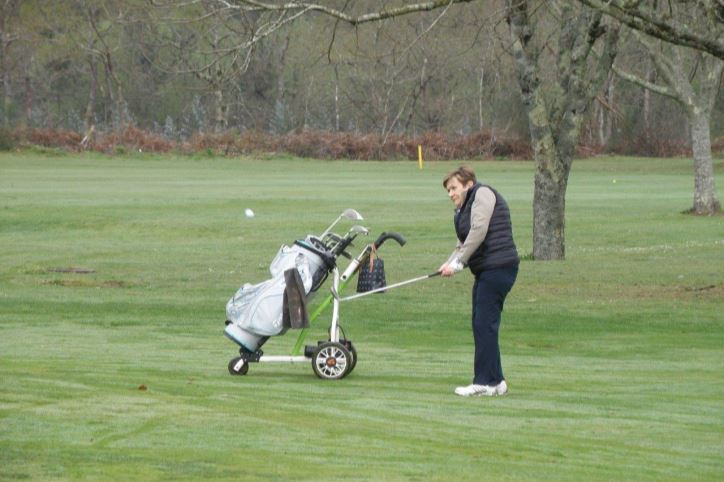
(635, 79)
(253, 5)
(669, 31)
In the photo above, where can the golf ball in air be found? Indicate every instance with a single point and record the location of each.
(249, 213)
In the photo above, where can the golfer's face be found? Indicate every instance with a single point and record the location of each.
(456, 190)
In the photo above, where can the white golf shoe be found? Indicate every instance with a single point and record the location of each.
(482, 390)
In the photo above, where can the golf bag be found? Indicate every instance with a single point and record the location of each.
(256, 312)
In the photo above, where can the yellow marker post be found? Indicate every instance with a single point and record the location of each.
(419, 156)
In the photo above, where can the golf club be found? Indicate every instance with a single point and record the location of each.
(385, 288)
(347, 214)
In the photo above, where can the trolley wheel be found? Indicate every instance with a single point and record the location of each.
(238, 366)
(332, 361)
(353, 353)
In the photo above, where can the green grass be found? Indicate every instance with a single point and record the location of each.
(614, 356)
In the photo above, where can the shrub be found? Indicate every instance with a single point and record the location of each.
(132, 139)
(53, 138)
(7, 141)
(300, 143)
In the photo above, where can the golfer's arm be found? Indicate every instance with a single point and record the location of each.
(480, 214)
(455, 254)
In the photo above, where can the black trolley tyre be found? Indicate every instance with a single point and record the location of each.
(353, 353)
(332, 361)
(238, 366)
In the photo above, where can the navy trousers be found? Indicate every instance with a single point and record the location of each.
(489, 292)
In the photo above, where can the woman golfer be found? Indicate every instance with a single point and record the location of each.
(485, 235)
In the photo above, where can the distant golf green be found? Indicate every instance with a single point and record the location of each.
(114, 274)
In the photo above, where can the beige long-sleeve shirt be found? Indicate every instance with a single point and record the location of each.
(480, 214)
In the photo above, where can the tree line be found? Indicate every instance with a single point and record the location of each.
(183, 67)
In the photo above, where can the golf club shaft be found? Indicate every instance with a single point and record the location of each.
(385, 288)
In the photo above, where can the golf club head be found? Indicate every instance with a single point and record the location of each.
(347, 214)
(357, 229)
(352, 214)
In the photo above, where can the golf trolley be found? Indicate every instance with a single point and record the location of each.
(257, 312)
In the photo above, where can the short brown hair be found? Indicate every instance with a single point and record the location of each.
(462, 173)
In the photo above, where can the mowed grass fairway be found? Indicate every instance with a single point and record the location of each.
(614, 357)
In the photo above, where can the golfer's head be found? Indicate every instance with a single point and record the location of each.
(457, 183)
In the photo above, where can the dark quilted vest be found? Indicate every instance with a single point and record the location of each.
(498, 249)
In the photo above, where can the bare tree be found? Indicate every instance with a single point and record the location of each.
(88, 45)
(106, 51)
(555, 120)
(385, 81)
(215, 42)
(693, 79)
(201, 41)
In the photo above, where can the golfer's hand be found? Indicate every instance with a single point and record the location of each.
(446, 271)
(449, 269)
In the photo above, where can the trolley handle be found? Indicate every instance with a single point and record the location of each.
(391, 235)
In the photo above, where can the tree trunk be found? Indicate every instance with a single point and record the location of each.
(610, 116)
(115, 92)
(601, 124)
(4, 63)
(220, 121)
(6, 90)
(705, 199)
(551, 181)
(647, 108)
(29, 98)
(480, 100)
(90, 106)
(549, 208)
(336, 103)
